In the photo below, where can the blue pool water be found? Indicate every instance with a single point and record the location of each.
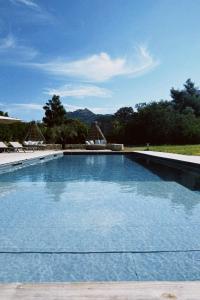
(98, 217)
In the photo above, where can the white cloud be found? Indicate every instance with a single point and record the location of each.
(14, 52)
(23, 111)
(79, 91)
(19, 106)
(104, 110)
(28, 3)
(28, 106)
(7, 42)
(100, 67)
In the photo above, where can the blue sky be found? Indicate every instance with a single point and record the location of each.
(99, 54)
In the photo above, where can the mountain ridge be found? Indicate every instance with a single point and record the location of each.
(85, 115)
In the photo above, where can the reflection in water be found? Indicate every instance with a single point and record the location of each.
(7, 188)
(188, 179)
(55, 190)
(82, 167)
(140, 177)
(99, 203)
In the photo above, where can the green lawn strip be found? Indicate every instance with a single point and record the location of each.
(179, 149)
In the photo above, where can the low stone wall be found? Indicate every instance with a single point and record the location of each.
(53, 147)
(96, 147)
(115, 147)
(75, 146)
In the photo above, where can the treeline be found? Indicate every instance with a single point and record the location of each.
(158, 122)
(163, 122)
(56, 127)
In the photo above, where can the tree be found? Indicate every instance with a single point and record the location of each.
(3, 114)
(55, 113)
(70, 132)
(124, 114)
(152, 123)
(188, 97)
(190, 88)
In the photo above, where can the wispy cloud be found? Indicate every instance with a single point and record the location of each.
(79, 91)
(24, 111)
(28, 3)
(7, 42)
(32, 12)
(14, 52)
(15, 109)
(28, 106)
(100, 67)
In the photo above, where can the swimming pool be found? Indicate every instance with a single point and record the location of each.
(97, 217)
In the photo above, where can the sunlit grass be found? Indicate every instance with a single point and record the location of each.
(180, 149)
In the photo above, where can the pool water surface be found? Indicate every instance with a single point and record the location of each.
(97, 217)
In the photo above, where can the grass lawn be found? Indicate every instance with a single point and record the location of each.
(180, 149)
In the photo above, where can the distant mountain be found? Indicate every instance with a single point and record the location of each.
(84, 115)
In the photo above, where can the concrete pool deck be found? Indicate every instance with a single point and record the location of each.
(149, 290)
(14, 157)
(173, 156)
(189, 163)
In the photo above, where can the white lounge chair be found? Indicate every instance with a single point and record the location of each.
(34, 145)
(3, 147)
(17, 146)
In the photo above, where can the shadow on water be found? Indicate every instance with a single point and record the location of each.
(189, 179)
(179, 197)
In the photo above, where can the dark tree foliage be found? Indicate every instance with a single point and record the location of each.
(158, 122)
(3, 114)
(124, 114)
(55, 113)
(189, 97)
(13, 132)
(162, 122)
(59, 129)
(70, 132)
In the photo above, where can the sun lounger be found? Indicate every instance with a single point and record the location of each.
(35, 145)
(17, 146)
(3, 147)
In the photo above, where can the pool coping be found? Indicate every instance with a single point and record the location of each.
(16, 162)
(171, 160)
(191, 163)
(131, 290)
(168, 159)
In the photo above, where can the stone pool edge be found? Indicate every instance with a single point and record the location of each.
(131, 290)
(186, 162)
(190, 163)
(16, 162)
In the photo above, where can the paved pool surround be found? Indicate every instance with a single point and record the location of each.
(15, 160)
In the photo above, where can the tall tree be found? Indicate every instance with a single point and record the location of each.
(55, 113)
(190, 88)
(187, 98)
